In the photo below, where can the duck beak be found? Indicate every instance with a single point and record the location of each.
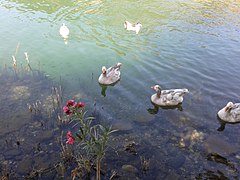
(152, 87)
(227, 109)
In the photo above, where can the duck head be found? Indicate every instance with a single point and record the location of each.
(158, 89)
(128, 24)
(104, 70)
(228, 107)
(138, 25)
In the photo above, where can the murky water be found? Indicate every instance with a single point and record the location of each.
(192, 44)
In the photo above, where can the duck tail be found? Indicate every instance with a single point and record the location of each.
(117, 66)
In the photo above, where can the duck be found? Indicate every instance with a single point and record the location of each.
(230, 113)
(132, 27)
(171, 97)
(64, 31)
(111, 75)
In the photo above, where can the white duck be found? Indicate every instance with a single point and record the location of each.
(171, 97)
(230, 113)
(64, 31)
(111, 75)
(132, 27)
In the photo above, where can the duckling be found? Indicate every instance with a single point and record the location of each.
(230, 113)
(64, 31)
(132, 27)
(111, 75)
(171, 97)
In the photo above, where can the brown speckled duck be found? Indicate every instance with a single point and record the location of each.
(171, 97)
(111, 75)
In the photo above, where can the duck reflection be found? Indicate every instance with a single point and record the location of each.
(103, 91)
(104, 88)
(155, 108)
(223, 124)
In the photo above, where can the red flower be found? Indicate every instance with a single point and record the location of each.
(78, 105)
(69, 134)
(67, 110)
(81, 105)
(75, 104)
(70, 140)
(70, 103)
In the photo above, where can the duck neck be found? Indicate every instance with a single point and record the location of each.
(104, 74)
(159, 93)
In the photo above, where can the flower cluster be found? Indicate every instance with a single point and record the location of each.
(92, 139)
(70, 138)
(71, 106)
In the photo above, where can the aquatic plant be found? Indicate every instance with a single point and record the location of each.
(92, 139)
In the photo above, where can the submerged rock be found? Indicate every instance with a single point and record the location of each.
(176, 161)
(25, 165)
(129, 168)
(215, 144)
(172, 176)
(20, 92)
(143, 118)
(122, 126)
(12, 153)
(42, 136)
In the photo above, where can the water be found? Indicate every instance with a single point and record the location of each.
(190, 44)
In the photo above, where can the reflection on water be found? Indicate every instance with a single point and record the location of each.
(104, 88)
(155, 108)
(224, 123)
(103, 91)
(193, 44)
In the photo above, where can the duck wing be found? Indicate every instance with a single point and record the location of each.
(236, 111)
(173, 92)
(114, 70)
(180, 92)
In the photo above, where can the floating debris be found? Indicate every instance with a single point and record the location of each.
(145, 164)
(14, 61)
(131, 147)
(191, 138)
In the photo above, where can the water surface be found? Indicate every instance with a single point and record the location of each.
(190, 44)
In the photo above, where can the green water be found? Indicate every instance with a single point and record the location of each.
(192, 44)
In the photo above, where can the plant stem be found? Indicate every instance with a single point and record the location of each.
(98, 169)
